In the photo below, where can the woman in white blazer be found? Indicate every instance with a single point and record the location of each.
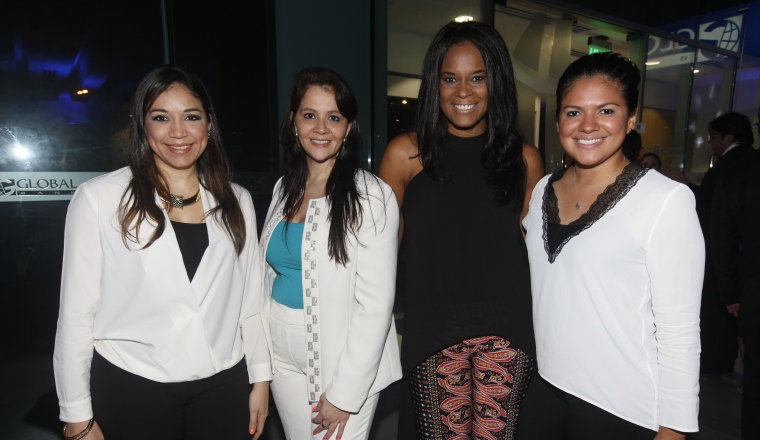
(160, 293)
(329, 251)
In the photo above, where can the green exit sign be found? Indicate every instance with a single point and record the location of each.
(598, 45)
(597, 49)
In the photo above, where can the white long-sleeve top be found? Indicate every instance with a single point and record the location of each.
(137, 307)
(616, 315)
(348, 310)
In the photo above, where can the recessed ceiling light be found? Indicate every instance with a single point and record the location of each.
(463, 18)
(21, 152)
(652, 63)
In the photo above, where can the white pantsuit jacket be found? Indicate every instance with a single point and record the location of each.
(352, 348)
(137, 307)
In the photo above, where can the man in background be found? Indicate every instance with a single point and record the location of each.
(734, 242)
(731, 141)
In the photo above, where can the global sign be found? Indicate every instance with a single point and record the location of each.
(724, 33)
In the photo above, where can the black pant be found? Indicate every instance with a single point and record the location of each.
(562, 416)
(718, 329)
(127, 406)
(751, 392)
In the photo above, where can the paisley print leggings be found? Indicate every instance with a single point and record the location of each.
(471, 390)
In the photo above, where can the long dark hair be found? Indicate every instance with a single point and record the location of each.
(340, 190)
(502, 156)
(138, 202)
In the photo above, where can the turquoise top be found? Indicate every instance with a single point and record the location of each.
(284, 255)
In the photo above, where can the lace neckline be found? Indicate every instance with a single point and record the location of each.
(555, 235)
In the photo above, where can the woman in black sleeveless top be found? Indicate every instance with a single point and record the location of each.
(461, 179)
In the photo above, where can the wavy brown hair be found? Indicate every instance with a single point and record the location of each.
(138, 202)
(341, 190)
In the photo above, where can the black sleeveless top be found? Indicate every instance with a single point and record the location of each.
(465, 260)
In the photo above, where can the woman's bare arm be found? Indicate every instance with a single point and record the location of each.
(397, 168)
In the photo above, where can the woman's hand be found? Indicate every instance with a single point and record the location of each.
(75, 428)
(328, 415)
(258, 405)
(668, 434)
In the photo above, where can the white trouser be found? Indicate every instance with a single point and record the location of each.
(289, 383)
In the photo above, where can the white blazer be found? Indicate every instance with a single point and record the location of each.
(348, 310)
(138, 308)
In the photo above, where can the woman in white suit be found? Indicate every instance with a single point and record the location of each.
(160, 293)
(329, 247)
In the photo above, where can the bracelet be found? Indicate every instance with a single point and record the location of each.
(82, 434)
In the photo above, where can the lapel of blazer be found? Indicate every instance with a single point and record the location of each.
(163, 258)
(218, 241)
(315, 223)
(274, 215)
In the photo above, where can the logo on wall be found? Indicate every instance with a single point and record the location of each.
(722, 33)
(40, 186)
(7, 187)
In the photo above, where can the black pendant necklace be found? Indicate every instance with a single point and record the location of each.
(180, 202)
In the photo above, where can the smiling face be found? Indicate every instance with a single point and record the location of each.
(177, 128)
(593, 121)
(463, 90)
(320, 125)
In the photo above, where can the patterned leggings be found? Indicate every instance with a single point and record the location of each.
(471, 390)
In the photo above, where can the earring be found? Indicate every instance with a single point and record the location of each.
(208, 134)
(343, 151)
(296, 131)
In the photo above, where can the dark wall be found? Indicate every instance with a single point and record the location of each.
(342, 40)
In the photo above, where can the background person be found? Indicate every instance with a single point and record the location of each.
(616, 259)
(330, 245)
(731, 140)
(651, 161)
(461, 179)
(161, 277)
(735, 246)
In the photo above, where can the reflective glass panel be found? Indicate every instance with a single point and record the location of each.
(67, 73)
(710, 97)
(665, 105)
(747, 92)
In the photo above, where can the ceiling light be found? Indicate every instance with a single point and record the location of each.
(696, 70)
(463, 18)
(652, 63)
(403, 101)
(21, 152)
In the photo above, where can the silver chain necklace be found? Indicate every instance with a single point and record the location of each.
(575, 185)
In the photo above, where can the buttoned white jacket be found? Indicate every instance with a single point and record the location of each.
(352, 348)
(137, 307)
